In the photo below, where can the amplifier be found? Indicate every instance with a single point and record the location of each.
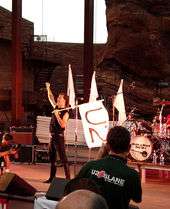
(26, 154)
(22, 137)
(21, 129)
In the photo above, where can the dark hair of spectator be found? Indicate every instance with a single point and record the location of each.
(118, 139)
(8, 137)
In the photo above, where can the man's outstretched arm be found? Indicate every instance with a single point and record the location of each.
(50, 95)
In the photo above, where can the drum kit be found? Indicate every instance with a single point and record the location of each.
(150, 138)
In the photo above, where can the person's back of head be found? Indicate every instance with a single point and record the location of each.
(118, 139)
(82, 199)
(7, 138)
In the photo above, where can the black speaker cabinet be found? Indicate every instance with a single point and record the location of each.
(22, 137)
(11, 183)
(26, 153)
(56, 189)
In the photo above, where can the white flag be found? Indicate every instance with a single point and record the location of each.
(95, 120)
(70, 87)
(119, 104)
(93, 91)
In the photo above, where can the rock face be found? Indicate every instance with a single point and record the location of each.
(136, 34)
(139, 45)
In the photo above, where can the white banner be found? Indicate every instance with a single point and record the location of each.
(95, 122)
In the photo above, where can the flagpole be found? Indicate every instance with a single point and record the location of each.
(93, 97)
(75, 138)
(76, 106)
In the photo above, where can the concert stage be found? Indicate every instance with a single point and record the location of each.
(156, 188)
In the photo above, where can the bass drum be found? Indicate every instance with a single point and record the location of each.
(141, 148)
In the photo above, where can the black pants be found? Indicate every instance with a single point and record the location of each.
(57, 145)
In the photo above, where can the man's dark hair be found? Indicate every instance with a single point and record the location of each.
(66, 98)
(8, 137)
(118, 139)
(81, 183)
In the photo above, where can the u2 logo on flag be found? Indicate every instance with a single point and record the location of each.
(95, 121)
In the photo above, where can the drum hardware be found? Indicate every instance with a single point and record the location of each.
(150, 138)
(131, 126)
(165, 147)
(143, 153)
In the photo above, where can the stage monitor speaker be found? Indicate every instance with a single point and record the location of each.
(56, 189)
(11, 183)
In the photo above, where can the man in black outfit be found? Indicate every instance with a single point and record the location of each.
(57, 126)
(118, 182)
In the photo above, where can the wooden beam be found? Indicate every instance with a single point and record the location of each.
(88, 46)
(17, 77)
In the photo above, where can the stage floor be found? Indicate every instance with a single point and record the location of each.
(156, 189)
